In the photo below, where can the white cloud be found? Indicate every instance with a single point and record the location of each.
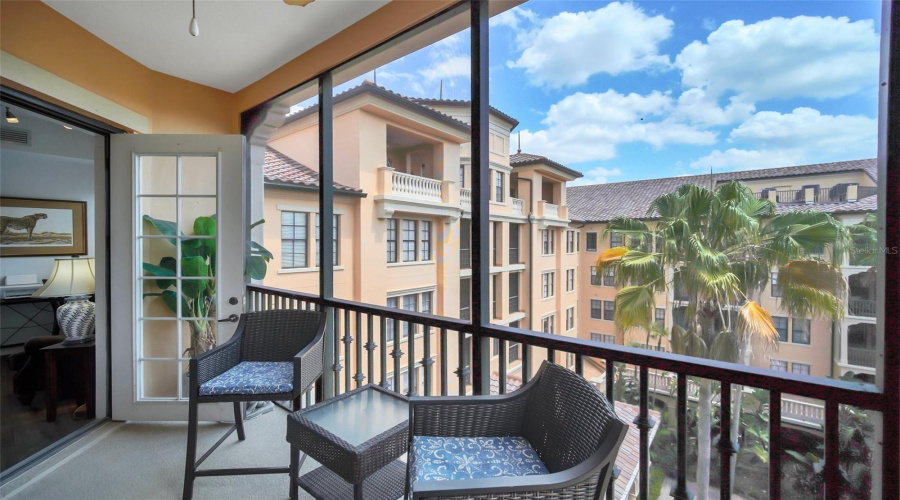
(449, 68)
(597, 175)
(588, 127)
(565, 50)
(698, 107)
(800, 137)
(709, 24)
(513, 17)
(819, 57)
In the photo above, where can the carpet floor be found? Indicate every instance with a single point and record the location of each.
(146, 461)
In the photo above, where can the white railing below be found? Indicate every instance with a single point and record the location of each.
(518, 206)
(465, 198)
(551, 210)
(413, 186)
(803, 411)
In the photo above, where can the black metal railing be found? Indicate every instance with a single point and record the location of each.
(861, 356)
(514, 304)
(514, 255)
(465, 258)
(454, 353)
(866, 191)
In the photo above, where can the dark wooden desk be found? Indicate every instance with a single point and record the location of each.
(84, 353)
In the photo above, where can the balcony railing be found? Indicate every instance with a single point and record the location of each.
(866, 191)
(551, 210)
(861, 356)
(413, 186)
(518, 206)
(835, 194)
(451, 350)
(861, 307)
(514, 255)
(514, 304)
(465, 198)
(465, 258)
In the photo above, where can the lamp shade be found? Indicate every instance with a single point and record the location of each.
(69, 277)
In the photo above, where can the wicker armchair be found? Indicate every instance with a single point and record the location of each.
(557, 437)
(273, 356)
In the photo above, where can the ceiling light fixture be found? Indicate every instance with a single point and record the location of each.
(67, 127)
(10, 117)
(299, 3)
(195, 28)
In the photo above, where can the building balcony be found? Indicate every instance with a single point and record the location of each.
(465, 199)
(518, 206)
(836, 194)
(402, 192)
(862, 307)
(861, 356)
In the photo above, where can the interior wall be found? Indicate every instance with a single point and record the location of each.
(58, 164)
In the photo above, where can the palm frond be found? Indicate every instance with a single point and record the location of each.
(755, 321)
(607, 257)
(634, 307)
(812, 288)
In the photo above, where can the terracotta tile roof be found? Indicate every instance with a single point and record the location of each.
(629, 454)
(369, 86)
(463, 102)
(278, 169)
(603, 202)
(521, 159)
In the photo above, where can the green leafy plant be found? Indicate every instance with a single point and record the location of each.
(197, 296)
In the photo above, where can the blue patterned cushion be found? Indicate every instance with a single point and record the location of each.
(252, 377)
(443, 458)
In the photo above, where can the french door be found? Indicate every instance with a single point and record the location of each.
(177, 240)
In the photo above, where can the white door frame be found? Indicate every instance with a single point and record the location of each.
(231, 242)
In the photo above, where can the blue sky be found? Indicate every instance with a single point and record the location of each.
(624, 91)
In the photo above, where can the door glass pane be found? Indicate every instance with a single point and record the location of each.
(177, 268)
(198, 175)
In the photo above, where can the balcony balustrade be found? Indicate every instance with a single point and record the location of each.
(518, 206)
(834, 194)
(465, 198)
(861, 307)
(859, 356)
(465, 258)
(551, 210)
(357, 343)
(413, 186)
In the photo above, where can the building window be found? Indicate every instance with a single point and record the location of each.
(498, 187)
(513, 292)
(497, 231)
(462, 176)
(495, 296)
(409, 304)
(409, 240)
(548, 324)
(590, 242)
(548, 246)
(513, 352)
(778, 365)
(595, 281)
(389, 323)
(596, 309)
(660, 317)
(426, 302)
(776, 291)
(392, 240)
(609, 276)
(294, 240)
(570, 280)
(570, 318)
(547, 284)
(335, 238)
(570, 360)
(615, 240)
(800, 368)
(513, 243)
(781, 326)
(800, 329)
(570, 241)
(609, 310)
(425, 233)
(602, 337)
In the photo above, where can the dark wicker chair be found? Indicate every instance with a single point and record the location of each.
(273, 356)
(572, 433)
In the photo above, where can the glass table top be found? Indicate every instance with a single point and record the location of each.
(360, 417)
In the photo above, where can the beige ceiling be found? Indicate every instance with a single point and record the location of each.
(240, 40)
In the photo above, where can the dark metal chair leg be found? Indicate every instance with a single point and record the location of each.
(191, 458)
(295, 471)
(239, 420)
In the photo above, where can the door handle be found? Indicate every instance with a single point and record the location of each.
(231, 319)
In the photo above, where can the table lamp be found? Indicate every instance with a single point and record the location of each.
(73, 279)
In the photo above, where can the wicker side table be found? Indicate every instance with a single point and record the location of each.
(357, 437)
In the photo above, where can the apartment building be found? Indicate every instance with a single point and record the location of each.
(403, 196)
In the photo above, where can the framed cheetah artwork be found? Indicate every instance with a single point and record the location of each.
(31, 227)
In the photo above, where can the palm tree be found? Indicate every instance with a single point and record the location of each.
(717, 247)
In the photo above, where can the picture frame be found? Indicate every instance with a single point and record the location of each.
(32, 227)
